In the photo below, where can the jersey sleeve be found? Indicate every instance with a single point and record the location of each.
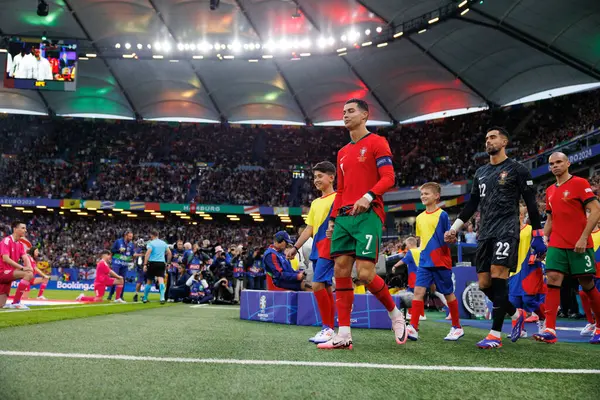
(525, 182)
(5, 247)
(417, 228)
(337, 203)
(585, 192)
(475, 188)
(471, 206)
(548, 206)
(310, 219)
(444, 221)
(385, 167)
(115, 247)
(527, 189)
(408, 258)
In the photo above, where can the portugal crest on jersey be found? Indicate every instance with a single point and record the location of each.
(363, 152)
(503, 176)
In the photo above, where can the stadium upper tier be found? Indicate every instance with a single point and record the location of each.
(178, 60)
(220, 164)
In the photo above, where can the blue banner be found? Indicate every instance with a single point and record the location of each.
(84, 286)
(574, 158)
(367, 311)
(277, 307)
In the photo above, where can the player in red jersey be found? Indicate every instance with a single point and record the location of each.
(104, 277)
(365, 172)
(12, 251)
(570, 247)
(33, 254)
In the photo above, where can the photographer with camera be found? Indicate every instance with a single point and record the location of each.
(223, 276)
(239, 254)
(255, 272)
(193, 260)
(140, 249)
(200, 292)
(188, 255)
(179, 290)
(279, 268)
(173, 269)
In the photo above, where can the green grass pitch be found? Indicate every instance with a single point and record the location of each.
(184, 334)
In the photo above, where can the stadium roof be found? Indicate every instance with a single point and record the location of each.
(425, 57)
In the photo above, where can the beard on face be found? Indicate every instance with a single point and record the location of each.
(492, 151)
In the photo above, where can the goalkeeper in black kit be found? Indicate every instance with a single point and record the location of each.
(497, 190)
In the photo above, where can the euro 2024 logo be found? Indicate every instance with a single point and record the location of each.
(263, 303)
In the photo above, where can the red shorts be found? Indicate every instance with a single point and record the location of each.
(100, 286)
(6, 278)
(100, 289)
(7, 274)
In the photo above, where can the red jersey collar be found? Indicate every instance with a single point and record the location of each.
(433, 212)
(557, 185)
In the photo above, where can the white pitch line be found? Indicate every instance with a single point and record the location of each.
(446, 368)
(210, 307)
(63, 308)
(577, 329)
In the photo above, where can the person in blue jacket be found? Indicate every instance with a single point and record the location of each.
(278, 266)
(123, 254)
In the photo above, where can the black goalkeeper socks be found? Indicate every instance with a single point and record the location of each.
(501, 303)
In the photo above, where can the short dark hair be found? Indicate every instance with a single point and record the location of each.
(32, 250)
(127, 231)
(105, 253)
(16, 223)
(326, 167)
(500, 129)
(154, 232)
(361, 104)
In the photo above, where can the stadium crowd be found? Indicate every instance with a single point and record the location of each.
(68, 241)
(160, 162)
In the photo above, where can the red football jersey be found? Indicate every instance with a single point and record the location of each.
(102, 271)
(363, 167)
(54, 65)
(567, 204)
(13, 249)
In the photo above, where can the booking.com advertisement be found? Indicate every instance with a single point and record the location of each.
(82, 286)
